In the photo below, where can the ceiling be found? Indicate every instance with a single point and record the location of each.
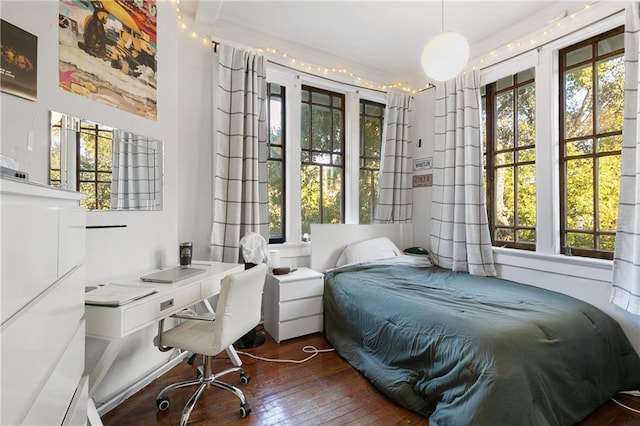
(378, 40)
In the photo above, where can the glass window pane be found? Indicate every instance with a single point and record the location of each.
(320, 98)
(275, 152)
(579, 55)
(526, 75)
(608, 191)
(607, 242)
(504, 196)
(104, 177)
(611, 44)
(527, 195)
(526, 115)
(337, 131)
(309, 197)
(275, 189)
(375, 110)
(367, 190)
(503, 234)
(504, 83)
(337, 101)
(575, 239)
(331, 195)
(580, 147)
(305, 96)
(274, 88)
(525, 155)
(275, 121)
(578, 102)
(504, 158)
(305, 119)
(504, 121)
(526, 236)
(579, 194)
(321, 126)
(610, 95)
(610, 143)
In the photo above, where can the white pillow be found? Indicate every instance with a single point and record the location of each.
(374, 249)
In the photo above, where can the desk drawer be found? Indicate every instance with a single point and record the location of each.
(162, 307)
(300, 308)
(300, 289)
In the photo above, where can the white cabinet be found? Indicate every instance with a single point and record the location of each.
(293, 304)
(42, 325)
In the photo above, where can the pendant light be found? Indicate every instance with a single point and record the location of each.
(445, 55)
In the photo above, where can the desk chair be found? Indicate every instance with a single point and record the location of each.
(237, 312)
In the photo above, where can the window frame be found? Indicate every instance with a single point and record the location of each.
(489, 99)
(594, 135)
(342, 144)
(283, 158)
(362, 159)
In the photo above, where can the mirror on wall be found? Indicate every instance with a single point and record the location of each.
(115, 168)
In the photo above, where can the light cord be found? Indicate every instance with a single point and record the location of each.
(307, 349)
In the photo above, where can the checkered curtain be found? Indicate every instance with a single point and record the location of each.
(133, 178)
(395, 204)
(626, 260)
(460, 238)
(240, 180)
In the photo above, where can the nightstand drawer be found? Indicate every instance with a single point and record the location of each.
(300, 308)
(300, 327)
(300, 289)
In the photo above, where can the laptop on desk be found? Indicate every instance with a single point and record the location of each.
(168, 276)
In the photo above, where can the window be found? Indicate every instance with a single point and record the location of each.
(94, 147)
(510, 169)
(322, 157)
(276, 169)
(591, 117)
(371, 126)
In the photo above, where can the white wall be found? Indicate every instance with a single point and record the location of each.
(149, 238)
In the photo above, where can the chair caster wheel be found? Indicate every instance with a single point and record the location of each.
(244, 378)
(163, 403)
(245, 410)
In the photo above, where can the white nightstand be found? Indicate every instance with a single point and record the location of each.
(293, 304)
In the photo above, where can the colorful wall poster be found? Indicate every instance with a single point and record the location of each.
(107, 52)
(18, 61)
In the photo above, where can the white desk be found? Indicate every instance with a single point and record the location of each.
(114, 323)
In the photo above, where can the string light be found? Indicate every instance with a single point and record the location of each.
(288, 60)
(507, 49)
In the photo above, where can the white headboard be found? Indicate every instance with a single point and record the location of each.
(328, 240)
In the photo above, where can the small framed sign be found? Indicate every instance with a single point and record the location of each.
(423, 163)
(18, 61)
(422, 180)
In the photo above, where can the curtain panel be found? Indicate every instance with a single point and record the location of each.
(395, 202)
(626, 259)
(240, 179)
(460, 238)
(133, 180)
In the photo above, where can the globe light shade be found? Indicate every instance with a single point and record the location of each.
(445, 56)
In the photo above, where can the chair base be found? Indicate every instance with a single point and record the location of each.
(205, 380)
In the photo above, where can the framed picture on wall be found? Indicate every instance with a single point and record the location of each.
(18, 61)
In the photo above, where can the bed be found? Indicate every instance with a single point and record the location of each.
(469, 350)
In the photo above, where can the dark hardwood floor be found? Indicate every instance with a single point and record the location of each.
(322, 391)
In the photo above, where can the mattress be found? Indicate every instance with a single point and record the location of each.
(468, 350)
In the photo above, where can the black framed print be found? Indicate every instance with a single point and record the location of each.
(18, 61)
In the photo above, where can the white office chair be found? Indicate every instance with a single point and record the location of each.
(237, 312)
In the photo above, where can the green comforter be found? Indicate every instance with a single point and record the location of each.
(467, 350)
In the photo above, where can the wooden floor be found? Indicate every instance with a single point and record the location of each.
(322, 391)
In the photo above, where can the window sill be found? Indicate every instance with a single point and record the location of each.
(291, 249)
(580, 267)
